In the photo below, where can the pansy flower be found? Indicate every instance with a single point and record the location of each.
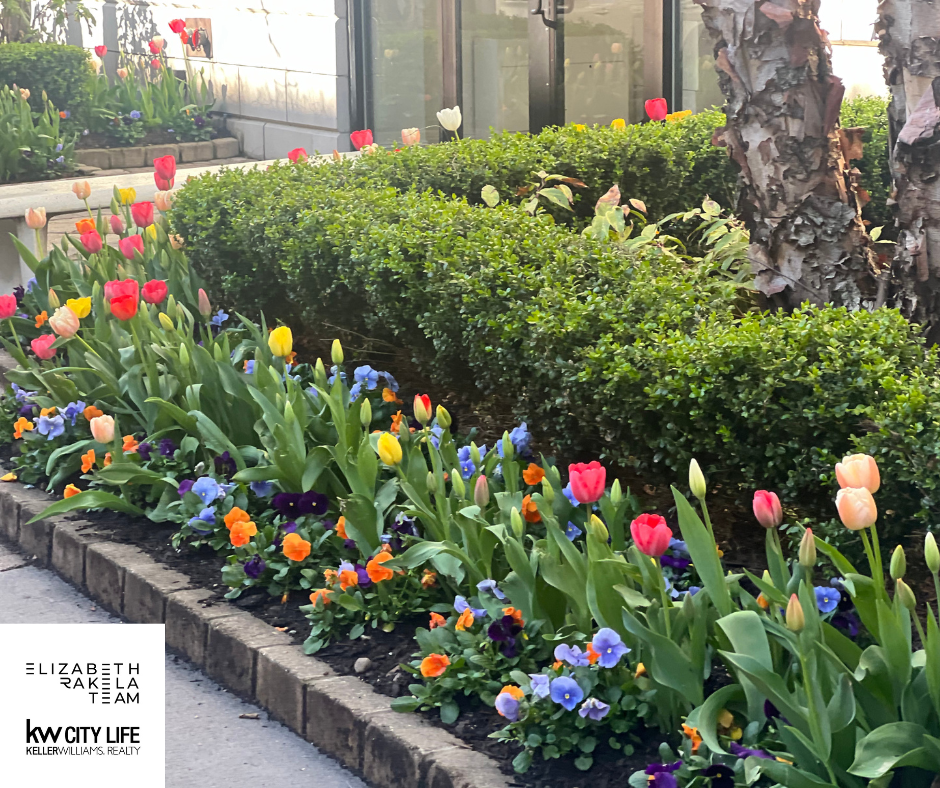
(167, 448)
(205, 517)
(73, 410)
(539, 684)
(295, 505)
(572, 531)
(609, 645)
(572, 655)
(504, 632)
(746, 752)
(594, 709)
(490, 585)
(467, 466)
(661, 774)
(461, 604)
(570, 495)
(206, 488)
(565, 692)
(50, 426)
(722, 776)
(367, 376)
(827, 598)
(254, 567)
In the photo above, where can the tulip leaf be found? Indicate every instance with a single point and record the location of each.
(317, 460)
(706, 715)
(669, 665)
(260, 473)
(90, 499)
(932, 662)
(704, 554)
(771, 684)
(215, 439)
(632, 597)
(787, 774)
(63, 451)
(892, 746)
(746, 633)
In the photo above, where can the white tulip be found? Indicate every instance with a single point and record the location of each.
(450, 119)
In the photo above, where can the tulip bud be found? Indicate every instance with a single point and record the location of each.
(616, 493)
(456, 481)
(808, 549)
(697, 480)
(767, 578)
(932, 554)
(475, 455)
(898, 565)
(205, 308)
(81, 189)
(518, 526)
(688, 607)
(795, 618)
(906, 595)
(166, 322)
(115, 208)
(598, 529)
(319, 374)
(422, 408)
(767, 509)
(54, 302)
(432, 480)
(35, 218)
(443, 417)
(365, 413)
(184, 356)
(481, 492)
(171, 308)
(507, 447)
(337, 352)
(548, 492)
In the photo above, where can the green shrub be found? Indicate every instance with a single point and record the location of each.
(61, 71)
(871, 112)
(31, 145)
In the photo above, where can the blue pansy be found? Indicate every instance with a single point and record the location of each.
(609, 645)
(678, 547)
(827, 598)
(436, 432)
(539, 685)
(572, 531)
(312, 391)
(135, 114)
(73, 410)
(461, 604)
(334, 370)
(390, 382)
(490, 585)
(207, 489)
(594, 708)
(219, 318)
(51, 426)
(250, 367)
(572, 655)
(198, 522)
(262, 489)
(355, 391)
(507, 706)
(570, 495)
(566, 692)
(366, 375)
(31, 284)
(467, 466)
(22, 395)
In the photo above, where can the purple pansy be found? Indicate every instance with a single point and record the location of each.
(255, 566)
(594, 709)
(661, 774)
(508, 706)
(610, 646)
(504, 632)
(746, 752)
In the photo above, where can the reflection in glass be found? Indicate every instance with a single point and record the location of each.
(697, 62)
(495, 48)
(407, 76)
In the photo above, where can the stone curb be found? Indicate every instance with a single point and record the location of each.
(341, 715)
(143, 155)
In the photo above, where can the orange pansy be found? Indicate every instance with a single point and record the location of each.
(533, 474)
(556, 665)
(107, 459)
(396, 422)
(341, 528)
(320, 593)
(130, 444)
(47, 411)
(437, 620)
(241, 533)
(347, 578)
(592, 655)
(390, 396)
(22, 425)
(236, 515)
(91, 412)
(330, 575)
(640, 670)
(428, 579)
(88, 460)
(41, 318)
(530, 511)
(515, 613)
(434, 665)
(465, 621)
(377, 573)
(516, 692)
(693, 735)
(70, 491)
(295, 547)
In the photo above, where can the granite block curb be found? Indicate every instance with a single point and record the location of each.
(143, 156)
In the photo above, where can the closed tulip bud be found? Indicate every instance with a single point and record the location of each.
(697, 480)
(507, 447)
(598, 529)
(54, 302)
(898, 565)
(450, 119)
(102, 428)
(365, 413)
(808, 549)
(932, 554)
(432, 482)
(475, 455)
(35, 218)
(82, 189)
(456, 481)
(518, 526)
(795, 618)
(443, 417)
(166, 322)
(389, 449)
(115, 208)
(184, 356)
(422, 408)
(319, 374)
(481, 492)
(616, 493)
(856, 508)
(205, 308)
(767, 509)
(548, 492)
(281, 341)
(688, 607)
(906, 595)
(336, 352)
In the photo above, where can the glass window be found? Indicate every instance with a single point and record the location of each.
(696, 61)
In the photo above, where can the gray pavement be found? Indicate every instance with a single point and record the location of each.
(207, 745)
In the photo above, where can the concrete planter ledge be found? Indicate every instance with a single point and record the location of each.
(341, 715)
(143, 155)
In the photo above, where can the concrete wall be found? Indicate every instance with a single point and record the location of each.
(279, 67)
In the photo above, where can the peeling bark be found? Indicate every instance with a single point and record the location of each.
(799, 193)
(909, 38)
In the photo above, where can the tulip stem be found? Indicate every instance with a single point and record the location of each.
(708, 521)
(876, 549)
(871, 556)
(664, 598)
(88, 208)
(814, 712)
(40, 246)
(19, 347)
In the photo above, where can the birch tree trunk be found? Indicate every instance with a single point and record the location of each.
(909, 35)
(798, 195)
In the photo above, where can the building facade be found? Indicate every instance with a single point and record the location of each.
(304, 73)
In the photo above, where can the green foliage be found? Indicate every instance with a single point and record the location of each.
(62, 72)
(871, 113)
(31, 144)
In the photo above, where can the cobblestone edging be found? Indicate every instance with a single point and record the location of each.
(343, 716)
(143, 155)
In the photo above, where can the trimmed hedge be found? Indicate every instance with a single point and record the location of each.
(59, 70)
(647, 358)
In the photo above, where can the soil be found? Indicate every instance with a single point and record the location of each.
(97, 139)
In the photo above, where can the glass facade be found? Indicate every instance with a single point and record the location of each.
(695, 60)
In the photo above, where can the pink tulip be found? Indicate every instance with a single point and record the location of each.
(165, 171)
(657, 109)
(361, 138)
(92, 242)
(42, 346)
(859, 470)
(7, 306)
(856, 507)
(205, 308)
(35, 218)
(155, 64)
(297, 155)
(587, 481)
(132, 245)
(650, 534)
(117, 225)
(142, 213)
(156, 45)
(767, 509)
(101, 50)
(481, 492)
(411, 136)
(117, 288)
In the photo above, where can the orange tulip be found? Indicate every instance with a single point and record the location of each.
(295, 547)
(85, 226)
(434, 665)
(859, 470)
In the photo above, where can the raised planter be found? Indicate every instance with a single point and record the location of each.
(143, 155)
(341, 715)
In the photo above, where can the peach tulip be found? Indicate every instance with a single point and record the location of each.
(102, 429)
(81, 189)
(164, 200)
(856, 507)
(64, 322)
(35, 218)
(411, 136)
(859, 470)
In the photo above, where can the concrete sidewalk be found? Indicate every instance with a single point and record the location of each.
(207, 745)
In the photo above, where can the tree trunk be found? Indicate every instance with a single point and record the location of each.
(909, 34)
(798, 192)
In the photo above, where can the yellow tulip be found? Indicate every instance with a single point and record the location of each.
(80, 306)
(389, 449)
(128, 196)
(166, 322)
(281, 341)
(794, 616)
(152, 232)
(618, 123)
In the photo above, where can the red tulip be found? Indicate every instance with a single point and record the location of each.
(7, 306)
(165, 169)
(422, 408)
(184, 37)
(587, 481)
(650, 534)
(297, 154)
(177, 25)
(155, 46)
(361, 138)
(131, 245)
(42, 346)
(117, 225)
(154, 292)
(101, 51)
(657, 109)
(92, 242)
(155, 64)
(142, 213)
(767, 509)
(121, 287)
(124, 307)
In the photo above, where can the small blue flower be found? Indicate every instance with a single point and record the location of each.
(572, 655)
(539, 685)
(250, 367)
(219, 318)
(566, 692)
(262, 489)
(51, 426)
(594, 709)
(60, 160)
(207, 489)
(334, 370)
(227, 487)
(31, 284)
(73, 410)
(135, 114)
(693, 590)
(59, 147)
(520, 439)
(461, 604)
(312, 391)
(678, 547)
(366, 375)
(507, 706)
(436, 433)
(22, 395)
(570, 495)
(827, 598)
(355, 391)
(490, 585)
(572, 531)
(610, 646)
(390, 381)
(467, 467)
(206, 516)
